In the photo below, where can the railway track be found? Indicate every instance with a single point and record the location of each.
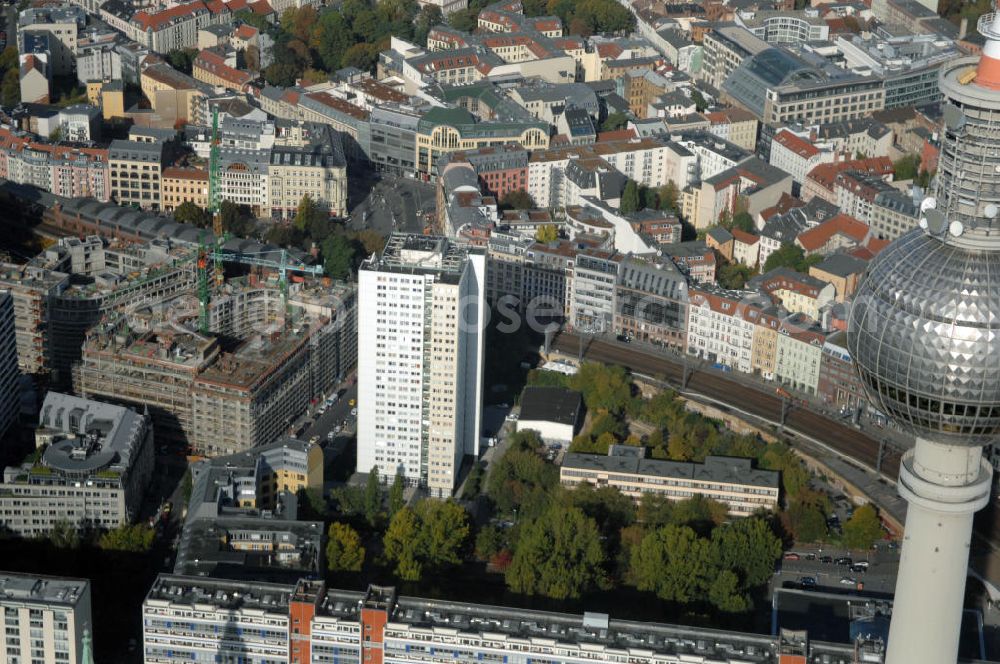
(845, 440)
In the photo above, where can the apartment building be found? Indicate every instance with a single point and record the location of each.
(736, 125)
(720, 328)
(196, 618)
(651, 302)
(175, 97)
(506, 255)
(821, 180)
(62, 25)
(183, 185)
(797, 292)
(136, 169)
(10, 392)
(797, 156)
(734, 482)
(592, 294)
(47, 619)
(212, 67)
(892, 213)
(420, 359)
(838, 383)
(95, 464)
(31, 287)
(856, 193)
(798, 354)
(245, 505)
(318, 170)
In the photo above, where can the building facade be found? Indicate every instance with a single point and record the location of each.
(420, 360)
(47, 619)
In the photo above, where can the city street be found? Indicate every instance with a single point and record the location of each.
(392, 204)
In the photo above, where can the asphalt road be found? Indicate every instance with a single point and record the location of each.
(392, 204)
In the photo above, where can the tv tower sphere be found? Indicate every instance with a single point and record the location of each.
(924, 332)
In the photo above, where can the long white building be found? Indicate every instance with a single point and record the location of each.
(420, 359)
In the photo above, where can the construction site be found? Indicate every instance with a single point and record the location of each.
(225, 349)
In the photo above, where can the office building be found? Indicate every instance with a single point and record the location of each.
(731, 481)
(47, 619)
(421, 329)
(242, 519)
(95, 461)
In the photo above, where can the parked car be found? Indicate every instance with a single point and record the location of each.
(810, 556)
(848, 581)
(826, 559)
(807, 581)
(791, 555)
(847, 562)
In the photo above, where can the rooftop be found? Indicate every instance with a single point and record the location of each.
(34, 589)
(550, 404)
(728, 470)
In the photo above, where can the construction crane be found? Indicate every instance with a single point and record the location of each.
(213, 194)
(285, 265)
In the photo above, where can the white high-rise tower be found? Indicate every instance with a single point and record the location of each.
(925, 333)
(421, 328)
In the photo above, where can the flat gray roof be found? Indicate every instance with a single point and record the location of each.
(731, 470)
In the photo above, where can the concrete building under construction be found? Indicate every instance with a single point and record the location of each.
(70, 287)
(238, 387)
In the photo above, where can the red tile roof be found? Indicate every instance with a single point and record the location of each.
(744, 237)
(796, 144)
(818, 236)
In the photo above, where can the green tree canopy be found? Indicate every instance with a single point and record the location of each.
(338, 256)
(373, 497)
(430, 536)
(344, 552)
(614, 121)
(189, 213)
(791, 256)
(906, 168)
(863, 528)
(396, 498)
(518, 199)
(744, 222)
(630, 201)
(136, 538)
(604, 387)
(547, 233)
(673, 562)
(734, 275)
(558, 555)
(521, 479)
(667, 196)
(747, 546)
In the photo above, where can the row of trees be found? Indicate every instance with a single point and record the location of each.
(136, 538)
(637, 197)
(10, 87)
(681, 435)
(570, 542)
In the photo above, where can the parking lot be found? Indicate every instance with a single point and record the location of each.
(836, 568)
